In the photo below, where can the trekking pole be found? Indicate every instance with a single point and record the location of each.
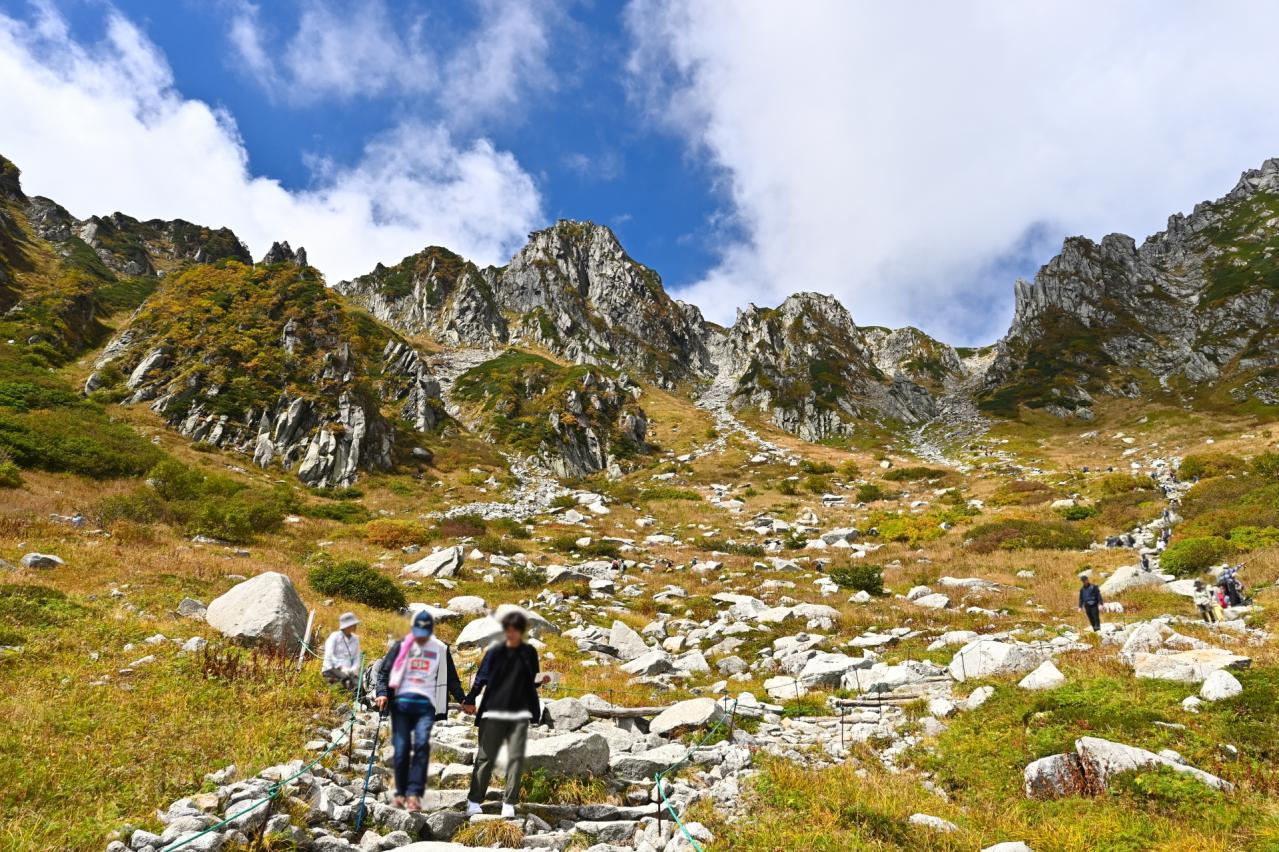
(368, 773)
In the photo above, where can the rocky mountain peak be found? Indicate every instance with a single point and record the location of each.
(10, 179)
(281, 252)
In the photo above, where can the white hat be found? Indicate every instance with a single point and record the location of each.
(347, 619)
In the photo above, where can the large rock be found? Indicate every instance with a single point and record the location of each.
(1047, 676)
(479, 633)
(1219, 686)
(1187, 666)
(567, 714)
(629, 644)
(829, 669)
(686, 715)
(264, 610)
(646, 764)
(444, 562)
(1094, 763)
(1127, 578)
(1102, 760)
(654, 662)
(573, 755)
(41, 560)
(984, 658)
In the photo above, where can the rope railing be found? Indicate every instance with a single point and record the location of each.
(277, 788)
(660, 777)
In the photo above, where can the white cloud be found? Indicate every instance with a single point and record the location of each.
(906, 158)
(364, 50)
(100, 127)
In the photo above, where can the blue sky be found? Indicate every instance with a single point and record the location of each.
(912, 162)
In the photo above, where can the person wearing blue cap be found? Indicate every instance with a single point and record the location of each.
(415, 680)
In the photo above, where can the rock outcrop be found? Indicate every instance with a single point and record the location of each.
(1192, 307)
(264, 611)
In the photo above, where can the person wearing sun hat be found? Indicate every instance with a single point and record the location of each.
(415, 680)
(342, 653)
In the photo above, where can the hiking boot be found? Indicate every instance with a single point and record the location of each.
(397, 802)
(472, 809)
(413, 804)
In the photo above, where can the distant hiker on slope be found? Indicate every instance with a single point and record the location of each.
(416, 678)
(1206, 599)
(509, 676)
(1090, 601)
(342, 653)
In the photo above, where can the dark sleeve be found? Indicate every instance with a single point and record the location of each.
(482, 675)
(534, 663)
(455, 682)
(384, 670)
(1081, 597)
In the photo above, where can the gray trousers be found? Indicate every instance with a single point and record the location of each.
(493, 733)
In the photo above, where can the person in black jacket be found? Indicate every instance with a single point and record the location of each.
(1090, 601)
(415, 679)
(509, 676)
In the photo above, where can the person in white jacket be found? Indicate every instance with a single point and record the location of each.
(342, 653)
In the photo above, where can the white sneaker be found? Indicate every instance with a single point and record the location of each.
(508, 811)
(472, 809)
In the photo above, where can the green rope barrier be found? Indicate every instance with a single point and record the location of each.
(660, 777)
(278, 787)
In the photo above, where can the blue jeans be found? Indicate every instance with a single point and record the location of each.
(411, 723)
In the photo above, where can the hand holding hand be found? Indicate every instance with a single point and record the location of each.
(380, 701)
(468, 709)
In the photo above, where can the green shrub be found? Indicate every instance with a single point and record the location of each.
(564, 501)
(737, 548)
(912, 474)
(820, 468)
(1204, 465)
(78, 439)
(1021, 492)
(1251, 538)
(850, 469)
(594, 550)
(142, 506)
(804, 706)
(1113, 484)
(817, 484)
(461, 526)
(1191, 556)
(787, 488)
(527, 576)
(1077, 512)
(172, 480)
(869, 493)
(237, 518)
(346, 513)
(859, 576)
(1266, 464)
(355, 581)
(667, 492)
(1021, 534)
(10, 476)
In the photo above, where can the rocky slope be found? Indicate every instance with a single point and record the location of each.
(572, 290)
(578, 420)
(808, 367)
(1191, 309)
(267, 361)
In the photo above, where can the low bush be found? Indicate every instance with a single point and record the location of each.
(816, 484)
(804, 706)
(737, 548)
(1122, 483)
(1021, 492)
(1266, 464)
(1190, 556)
(860, 577)
(342, 512)
(595, 550)
(355, 581)
(527, 576)
(1022, 534)
(337, 493)
(667, 492)
(1205, 465)
(869, 493)
(10, 476)
(1077, 512)
(913, 474)
(77, 439)
(821, 468)
(395, 533)
(787, 488)
(850, 469)
(461, 526)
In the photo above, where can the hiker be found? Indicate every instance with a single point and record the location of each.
(1090, 601)
(342, 653)
(1206, 600)
(509, 676)
(1145, 561)
(415, 680)
(1232, 586)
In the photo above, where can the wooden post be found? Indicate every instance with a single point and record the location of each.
(306, 638)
